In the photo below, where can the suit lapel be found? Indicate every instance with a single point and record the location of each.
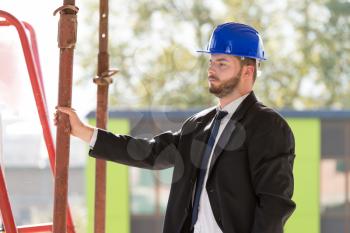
(227, 134)
(200, 140)
(222, 142)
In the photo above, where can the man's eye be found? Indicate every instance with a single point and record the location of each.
(222, 64)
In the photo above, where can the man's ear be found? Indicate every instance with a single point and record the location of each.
(248, 71)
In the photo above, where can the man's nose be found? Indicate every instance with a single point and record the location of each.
(211, 70)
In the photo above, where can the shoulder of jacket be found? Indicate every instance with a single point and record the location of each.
(200, 116)
(203, 113)
(268, 116)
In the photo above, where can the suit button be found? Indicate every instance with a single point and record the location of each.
(211, 190)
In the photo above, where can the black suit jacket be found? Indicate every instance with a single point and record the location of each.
(250, 181)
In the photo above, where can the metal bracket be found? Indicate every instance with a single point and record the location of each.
(67, 26)
(106, 77)
(61, 9)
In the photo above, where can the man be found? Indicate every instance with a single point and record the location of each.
(232, 163)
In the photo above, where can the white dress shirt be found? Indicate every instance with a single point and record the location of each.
(206, 222)
(93, 138)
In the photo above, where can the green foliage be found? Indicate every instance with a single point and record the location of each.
(154, 42)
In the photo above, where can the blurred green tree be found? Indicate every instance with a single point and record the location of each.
(154, 42)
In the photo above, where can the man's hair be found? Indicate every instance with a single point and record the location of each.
(251, 62)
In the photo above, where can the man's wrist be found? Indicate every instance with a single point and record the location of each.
(87, 133)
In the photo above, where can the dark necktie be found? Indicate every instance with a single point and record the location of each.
(204, 164)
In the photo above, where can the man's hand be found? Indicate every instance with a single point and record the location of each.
(78, 128)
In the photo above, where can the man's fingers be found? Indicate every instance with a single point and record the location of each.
(67, 110)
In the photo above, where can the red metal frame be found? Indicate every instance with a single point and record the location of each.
(46, 227)
(5, 207)
(31, 56)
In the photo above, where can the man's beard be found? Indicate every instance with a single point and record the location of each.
(226, 87)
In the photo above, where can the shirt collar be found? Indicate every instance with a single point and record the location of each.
(232, 106)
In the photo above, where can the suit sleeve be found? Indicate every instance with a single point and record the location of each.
(157, 153)
(271, 157)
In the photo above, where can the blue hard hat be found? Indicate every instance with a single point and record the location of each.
(236, 39)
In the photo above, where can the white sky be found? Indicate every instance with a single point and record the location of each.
(22, 117)
(39, 14)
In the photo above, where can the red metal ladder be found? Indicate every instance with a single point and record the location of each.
(31, 55)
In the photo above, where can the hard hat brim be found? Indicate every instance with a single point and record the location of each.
(237, 55)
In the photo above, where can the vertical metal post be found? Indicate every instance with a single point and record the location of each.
(67, 31)
(102, 80)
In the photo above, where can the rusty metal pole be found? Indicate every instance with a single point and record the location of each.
(102, 80)
(67, 33)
